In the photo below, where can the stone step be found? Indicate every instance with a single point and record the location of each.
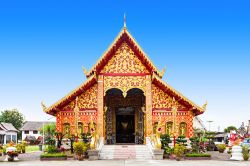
(140, 152)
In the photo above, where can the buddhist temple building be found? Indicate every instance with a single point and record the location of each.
(125, 97)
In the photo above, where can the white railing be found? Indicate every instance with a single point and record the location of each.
(150, 145)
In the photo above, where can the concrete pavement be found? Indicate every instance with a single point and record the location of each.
(128, 163)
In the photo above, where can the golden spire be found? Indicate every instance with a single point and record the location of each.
(124, 21)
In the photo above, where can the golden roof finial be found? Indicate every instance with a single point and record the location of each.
(124, 21)
(204, 107)
(163, 71)
(85, 71)
(43, 106)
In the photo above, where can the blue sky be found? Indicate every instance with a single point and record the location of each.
(205, 46)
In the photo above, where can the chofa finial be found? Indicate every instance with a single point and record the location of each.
(204, 107)
(124, 21)
(85, 71)
(43, 106)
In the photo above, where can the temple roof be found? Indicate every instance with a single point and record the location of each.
(124, 35)
(71, 96)
(197, 110)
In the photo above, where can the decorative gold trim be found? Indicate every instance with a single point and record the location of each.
(47, 110)
(180, 95)
(124, 30)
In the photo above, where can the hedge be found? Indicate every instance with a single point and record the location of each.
(53, 155)
(197, 155)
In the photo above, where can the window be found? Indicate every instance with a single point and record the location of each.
(8, 138)
(26, 132)
(169, 128)
(35, 132)
(14, 138)
(183, 129)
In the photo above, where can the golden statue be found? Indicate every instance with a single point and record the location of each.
(156, 139)
(94, 135)
(163, 71)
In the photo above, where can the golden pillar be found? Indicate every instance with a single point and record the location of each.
(100, 106)
(148, 94)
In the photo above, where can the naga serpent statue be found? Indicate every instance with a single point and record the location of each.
(157, 137)
(94, 135)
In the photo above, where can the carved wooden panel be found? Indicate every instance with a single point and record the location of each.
(163, 100)
(87, 100)
(124, 61)
(124, 83)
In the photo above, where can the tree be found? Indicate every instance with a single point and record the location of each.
(229, 128)
(12, 116)
(49, 129)
(49, 133)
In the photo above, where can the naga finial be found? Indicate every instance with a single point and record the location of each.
(163, 71)
(44, 107)
(204, 107)
(85, 71)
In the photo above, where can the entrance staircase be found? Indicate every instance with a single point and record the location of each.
(123, 152)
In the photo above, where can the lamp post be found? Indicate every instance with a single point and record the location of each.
(209, 122)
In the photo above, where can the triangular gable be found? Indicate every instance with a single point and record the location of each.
(178, 96)
(124, 36)
(70, 97)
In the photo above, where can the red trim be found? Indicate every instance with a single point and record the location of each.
(124, 74)
(82, 109)
(168, 109)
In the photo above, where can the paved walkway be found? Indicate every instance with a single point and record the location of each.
(27, 156)
(127, 163)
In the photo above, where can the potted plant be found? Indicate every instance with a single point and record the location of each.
(179, 150)
(80, 149)
(221, 148)
(245, 153)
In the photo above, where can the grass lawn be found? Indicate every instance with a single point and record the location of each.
(32, 148)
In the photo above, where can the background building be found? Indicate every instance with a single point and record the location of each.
(8, 133)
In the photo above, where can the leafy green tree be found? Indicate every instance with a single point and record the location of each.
(12, 116)
(49, 133)
(49, 129)
(229, 128)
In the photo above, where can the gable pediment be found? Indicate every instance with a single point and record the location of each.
(123, 49)
(125, 60)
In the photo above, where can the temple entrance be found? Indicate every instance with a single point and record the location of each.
(124, 116)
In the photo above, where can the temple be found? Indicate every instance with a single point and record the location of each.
(125, 98)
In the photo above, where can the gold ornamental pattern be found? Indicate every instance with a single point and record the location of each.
(87, 100)
(124, 61)
(160, 99)
(124, 83)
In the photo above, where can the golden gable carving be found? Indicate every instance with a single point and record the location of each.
(160, 99)
(87, 100)
(124, 61)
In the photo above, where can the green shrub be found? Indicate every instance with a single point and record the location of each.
(245, 153)
(80, 148)
(53, 155)
(165, 140)
(198, 155)
(52, 149)
(221, 147)
(179, 150)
